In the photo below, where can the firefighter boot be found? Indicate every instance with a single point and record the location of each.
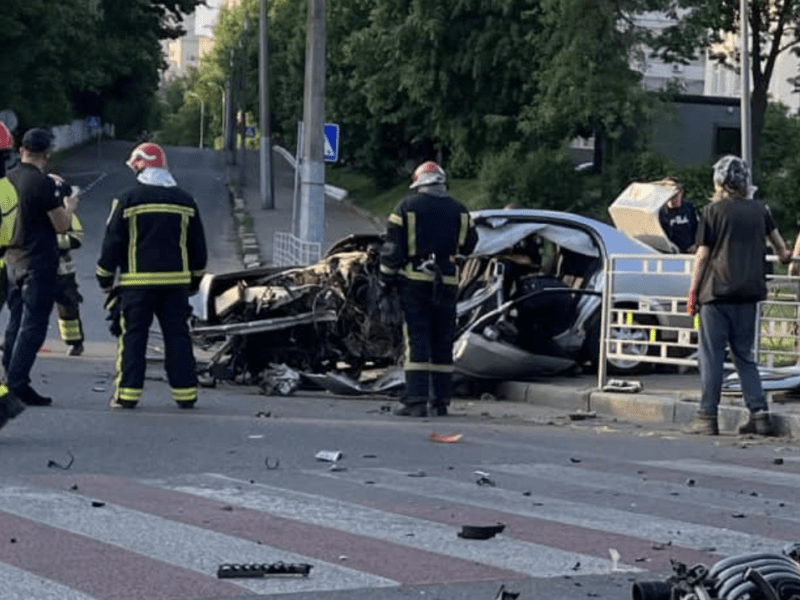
(75, 349)
(412, 409)
(703, 424)
(758, 423)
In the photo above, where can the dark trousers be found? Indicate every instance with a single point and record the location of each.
(430, 328)
(733, 325)
(68, 300)
(31, 295)
(170, 305)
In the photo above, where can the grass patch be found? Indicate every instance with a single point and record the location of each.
(363, 192)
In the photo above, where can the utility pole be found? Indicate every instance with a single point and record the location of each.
(230, 113)
(202, 114)
(744, 106)
(312, 174)
(243, 99)
(267, 187)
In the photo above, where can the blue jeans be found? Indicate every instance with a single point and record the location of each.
(31, 297)
(723, 325)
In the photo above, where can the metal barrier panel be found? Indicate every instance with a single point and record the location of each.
(656, 328)
(289, 250)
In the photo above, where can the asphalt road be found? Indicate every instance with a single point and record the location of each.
(146, 504)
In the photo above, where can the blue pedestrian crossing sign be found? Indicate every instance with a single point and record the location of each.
(331, 142)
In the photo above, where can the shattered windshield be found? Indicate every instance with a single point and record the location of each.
(501, 235)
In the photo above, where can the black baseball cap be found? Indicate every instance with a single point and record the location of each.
(37, 140)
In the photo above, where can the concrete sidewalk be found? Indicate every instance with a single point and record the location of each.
(668, 399)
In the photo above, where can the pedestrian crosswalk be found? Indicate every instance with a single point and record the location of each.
(78, 536)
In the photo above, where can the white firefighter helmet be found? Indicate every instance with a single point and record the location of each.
(428, 173)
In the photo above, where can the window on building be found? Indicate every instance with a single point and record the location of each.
(727, 140)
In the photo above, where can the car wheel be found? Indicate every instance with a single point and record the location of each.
(634, 344)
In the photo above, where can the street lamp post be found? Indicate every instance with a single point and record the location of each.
(202, 114)
(744, 106)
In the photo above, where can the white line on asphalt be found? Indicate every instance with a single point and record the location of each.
(732, 471)
(653, 488)
(176, 543)
(534, 560)
(17, 584)
(560, 510)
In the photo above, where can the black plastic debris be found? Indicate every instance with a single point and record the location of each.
(502, 594)
(53, 464)
(97, 504)
(480, 532)
(777, 461)
(233, 571)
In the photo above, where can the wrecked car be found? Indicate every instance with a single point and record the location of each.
(528, 305)
(530, 296)
(329, 316)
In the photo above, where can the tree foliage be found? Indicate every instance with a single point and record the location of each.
(774, 28)
(85, 57)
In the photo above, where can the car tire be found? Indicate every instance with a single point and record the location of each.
(617, 366)
(636, 342)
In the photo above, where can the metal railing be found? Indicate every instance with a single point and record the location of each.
(657, 329)
(289, 250)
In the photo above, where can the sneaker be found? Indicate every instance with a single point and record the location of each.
(75, 349)
(31, 397)
(758, 423)
(411, 410)
(187, 404)
(703, 424)
(116, 403)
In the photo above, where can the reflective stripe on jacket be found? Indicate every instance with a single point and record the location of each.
(154, 237)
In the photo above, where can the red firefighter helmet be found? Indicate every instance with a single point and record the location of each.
(147, 155)
(6, 139)
(428, 173)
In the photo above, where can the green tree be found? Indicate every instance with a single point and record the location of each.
(774, 30)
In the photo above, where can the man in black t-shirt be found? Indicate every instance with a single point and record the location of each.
(32, 262)
(678, 219)
(728, 281)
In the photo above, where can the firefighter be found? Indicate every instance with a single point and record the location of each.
(68, 297)
(425, 234)
(10, 405)
(155, 245)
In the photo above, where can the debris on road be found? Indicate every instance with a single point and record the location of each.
(98, 504)
(444, 438)
(54, 464)
(329, 455)
(580, 415)
(279, 380)
(480, 532)
(272, 465)
(502, 594)
(615, 556)
(231, 571)
(627, 386)
(484, 479)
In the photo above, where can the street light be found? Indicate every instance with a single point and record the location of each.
(202, 114)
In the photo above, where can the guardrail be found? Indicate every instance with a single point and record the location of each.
(289, 250)
(657, 329)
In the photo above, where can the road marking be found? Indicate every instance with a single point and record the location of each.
(534, 560)
(17, 584)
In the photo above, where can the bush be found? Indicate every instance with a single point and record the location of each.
(541, 179)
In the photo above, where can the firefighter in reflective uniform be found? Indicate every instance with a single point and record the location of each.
(8, 207)
(425, 234)
(154, 243)
(68, 298)
(10, 405)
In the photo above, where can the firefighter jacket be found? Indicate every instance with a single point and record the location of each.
(68, 241)
(424, 235)
(154, 237)
(8, 212)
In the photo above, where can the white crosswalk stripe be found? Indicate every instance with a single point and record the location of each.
(532, 559)
(559, 495)
(573, 513)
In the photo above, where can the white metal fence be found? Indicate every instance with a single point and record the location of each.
(289, 250)
(655, 328)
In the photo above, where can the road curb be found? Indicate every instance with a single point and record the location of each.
(665, 407)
